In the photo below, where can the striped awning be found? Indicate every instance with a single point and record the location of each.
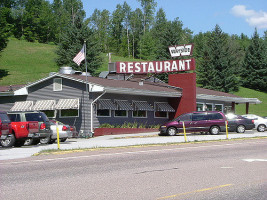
(104, 104)
(123, 105)
(164, 107)
(142, 105)
(22, 106)
(67, 104)
(44, 105)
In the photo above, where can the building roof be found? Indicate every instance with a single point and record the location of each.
(133, 86)
(207, 94)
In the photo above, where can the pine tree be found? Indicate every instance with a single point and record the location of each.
(71, 43)
(254, 73)
(217, 70)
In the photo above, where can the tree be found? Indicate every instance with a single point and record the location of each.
(100, 23)
(217, 70)
(254, 73)
(117, 28)
(136, 29)
(5, 22)
(148, 12)
(71, 43)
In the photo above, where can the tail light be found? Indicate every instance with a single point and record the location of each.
(253, 121)
(43, 126)
(64, 128)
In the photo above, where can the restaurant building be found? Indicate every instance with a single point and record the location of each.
(86, 102)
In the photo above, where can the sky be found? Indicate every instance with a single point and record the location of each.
(233, 16)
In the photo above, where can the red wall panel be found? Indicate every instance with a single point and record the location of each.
(187, 103)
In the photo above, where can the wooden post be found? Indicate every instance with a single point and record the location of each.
(247, 107)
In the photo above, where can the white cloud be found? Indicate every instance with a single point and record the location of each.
(254, 18)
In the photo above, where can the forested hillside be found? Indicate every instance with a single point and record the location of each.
(224, 62)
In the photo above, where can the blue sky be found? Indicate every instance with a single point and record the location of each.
(233, 16)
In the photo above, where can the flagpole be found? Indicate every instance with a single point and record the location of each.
(86, 66)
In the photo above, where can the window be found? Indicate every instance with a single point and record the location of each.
(14, 117)
(103, 113)
(40, 117)
(121, 113)
(208, 107)
(69, 113)
(186, 117)
(219, 107)
(199, 117)
(57, 84)
(200, 106)
(50, 113)
(161, 114)
(214, 116)
(140, 114)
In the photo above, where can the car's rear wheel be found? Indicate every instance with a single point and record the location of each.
(46, 140)
(31, 141)
(261, 128)
(9, 141)
(214, 130)
(240, 129)
(171, 131)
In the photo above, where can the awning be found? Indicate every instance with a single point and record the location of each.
(123, 105)
(22, 106)
(164, 107)
(44, 105)
(106, 104)
(67, 104)
(142, 105)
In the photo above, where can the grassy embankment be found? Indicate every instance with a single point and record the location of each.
(22, 62)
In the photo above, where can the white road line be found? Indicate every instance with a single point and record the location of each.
(124, 153)
(253, 160)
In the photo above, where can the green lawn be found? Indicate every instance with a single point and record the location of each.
(259, 109)
(22, 62)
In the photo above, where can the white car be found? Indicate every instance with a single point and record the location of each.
(63, 130)
(260, 122)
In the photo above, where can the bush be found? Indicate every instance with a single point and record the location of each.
(129, 125)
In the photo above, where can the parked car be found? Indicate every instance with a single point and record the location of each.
(43, 123)
(239, 124)
(260, 122)
(63, 129)
(20, 131)
(5, 125)
(209, 121)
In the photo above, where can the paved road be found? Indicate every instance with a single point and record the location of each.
(215, 170)
(112, 141)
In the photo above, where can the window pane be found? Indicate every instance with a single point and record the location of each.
(199, 117)
(103, 113)
(186, 117)
(120, 113)
(69, 113)
(199, 107)
(161, 114)
(218, 107)
(49, 113)
(209, 107)
(139, 113)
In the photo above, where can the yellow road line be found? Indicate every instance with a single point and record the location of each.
(201, 190)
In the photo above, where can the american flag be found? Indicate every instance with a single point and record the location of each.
(80, 56)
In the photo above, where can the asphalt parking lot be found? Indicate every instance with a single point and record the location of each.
(120, 140)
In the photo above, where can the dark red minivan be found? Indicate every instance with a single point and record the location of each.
(208, 121)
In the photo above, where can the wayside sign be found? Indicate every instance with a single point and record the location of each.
(181, 50)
